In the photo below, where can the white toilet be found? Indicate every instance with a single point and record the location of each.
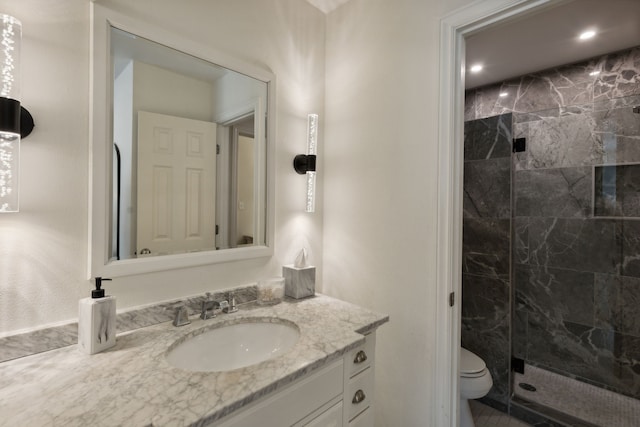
(475, 382)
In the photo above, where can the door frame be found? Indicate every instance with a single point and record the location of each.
(454, 27)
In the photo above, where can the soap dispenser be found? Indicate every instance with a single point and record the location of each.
(97, 320)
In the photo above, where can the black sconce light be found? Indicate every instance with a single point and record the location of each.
(15, 118)
(306, 163)
(15, 121)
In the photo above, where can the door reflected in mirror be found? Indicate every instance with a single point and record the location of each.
(189, 150)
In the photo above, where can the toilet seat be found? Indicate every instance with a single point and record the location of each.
(471, 366)
(476, 375)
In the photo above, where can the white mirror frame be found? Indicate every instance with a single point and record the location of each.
(101, 113)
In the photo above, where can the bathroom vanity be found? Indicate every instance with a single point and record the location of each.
(325, 379)
(339, 394)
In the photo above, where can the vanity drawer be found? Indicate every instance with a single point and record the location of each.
(364, 419)
(359, 393)
(361, 357)
(332, 417)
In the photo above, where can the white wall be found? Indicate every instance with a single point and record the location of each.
(380, 186)
(233, 93)
(43, 248)
(179, 95)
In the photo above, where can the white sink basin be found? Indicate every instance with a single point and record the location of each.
(233, 346)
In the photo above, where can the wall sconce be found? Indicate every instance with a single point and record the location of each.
(306, 163)
(15, 121)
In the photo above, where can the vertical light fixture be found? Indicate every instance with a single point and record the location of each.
(15, 121)
(306, 163)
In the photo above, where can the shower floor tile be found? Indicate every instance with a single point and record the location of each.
(486, 416)
(580, 400)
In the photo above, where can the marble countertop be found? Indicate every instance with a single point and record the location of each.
(132, 384)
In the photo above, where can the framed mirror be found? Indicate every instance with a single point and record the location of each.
(181, 151)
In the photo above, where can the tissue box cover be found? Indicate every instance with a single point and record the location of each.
(299, 282)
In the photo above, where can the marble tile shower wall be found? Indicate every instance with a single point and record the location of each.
(576, 225)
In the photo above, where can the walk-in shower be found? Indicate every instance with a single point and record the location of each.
(551, 242)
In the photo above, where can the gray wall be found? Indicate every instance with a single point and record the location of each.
(576, 257)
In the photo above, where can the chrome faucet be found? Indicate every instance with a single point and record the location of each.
(209, 307)
(182, 316)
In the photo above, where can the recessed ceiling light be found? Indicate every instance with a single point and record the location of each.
(503, 94)
(587, 35)
(476, 68)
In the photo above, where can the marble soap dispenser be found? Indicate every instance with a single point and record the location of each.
(97, 321)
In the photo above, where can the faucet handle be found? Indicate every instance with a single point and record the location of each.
(233, 306)
(182, 316)
(207, 310)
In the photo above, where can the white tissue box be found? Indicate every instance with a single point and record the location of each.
(299, 282)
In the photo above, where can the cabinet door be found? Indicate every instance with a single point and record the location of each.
(292, 404)
(332, 417)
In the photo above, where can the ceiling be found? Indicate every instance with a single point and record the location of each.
(327, 5)
(549, 37)
(545, 38)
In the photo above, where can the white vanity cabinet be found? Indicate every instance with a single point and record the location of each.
(337, 395)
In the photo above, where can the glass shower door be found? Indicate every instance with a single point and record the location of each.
(576, 263)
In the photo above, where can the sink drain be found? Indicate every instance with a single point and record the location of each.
(527, 387)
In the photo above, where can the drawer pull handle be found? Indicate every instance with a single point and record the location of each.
(361, 356)
(358, 397)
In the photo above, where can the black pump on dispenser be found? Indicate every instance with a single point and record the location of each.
(98, 292)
